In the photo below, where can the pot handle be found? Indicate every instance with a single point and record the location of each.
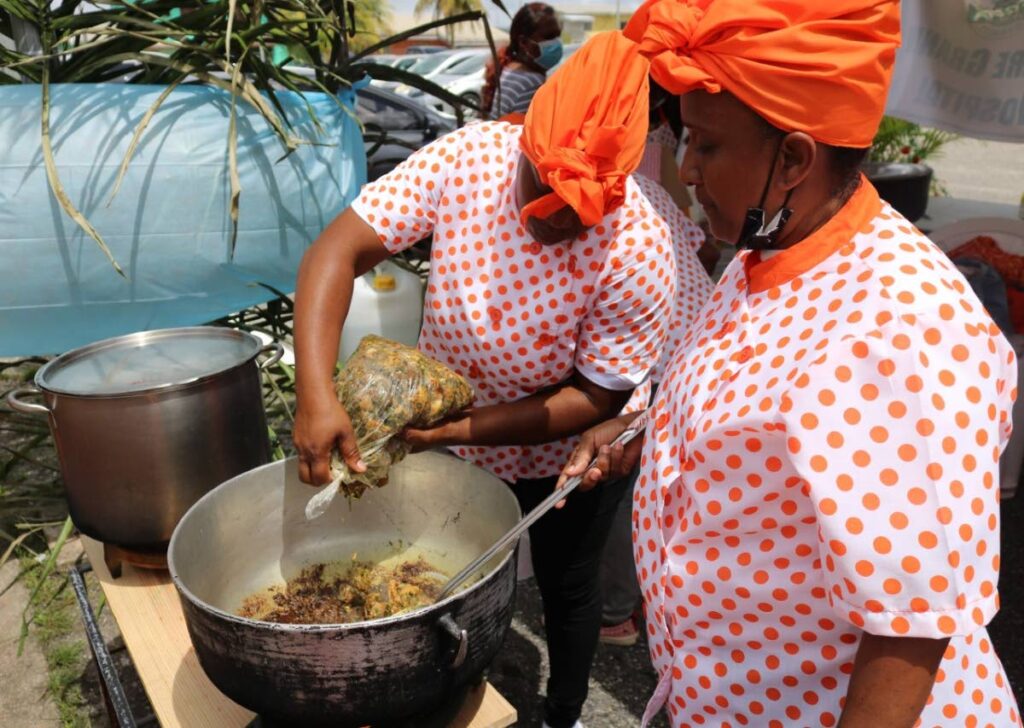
(276, 351)
(27, 408)
(459, 635)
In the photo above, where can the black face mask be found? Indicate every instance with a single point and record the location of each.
(756, 233)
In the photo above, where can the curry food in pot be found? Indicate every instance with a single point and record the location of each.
(344, 592)
(385, 387)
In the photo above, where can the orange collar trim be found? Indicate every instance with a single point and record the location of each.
(794, 261)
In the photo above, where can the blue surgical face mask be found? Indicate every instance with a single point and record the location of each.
(550, 53)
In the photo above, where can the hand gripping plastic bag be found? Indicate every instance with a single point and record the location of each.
(386, 387)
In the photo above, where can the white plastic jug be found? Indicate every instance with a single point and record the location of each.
(387, 301)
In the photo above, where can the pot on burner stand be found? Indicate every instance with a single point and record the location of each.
(146, 424)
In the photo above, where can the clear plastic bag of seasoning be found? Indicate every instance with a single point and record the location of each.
(385, 387)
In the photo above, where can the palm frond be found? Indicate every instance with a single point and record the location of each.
(137, 136)
(227, 44)
(419, 29)
(54, 178)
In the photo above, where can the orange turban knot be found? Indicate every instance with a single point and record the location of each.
(822, 67)
(586, 127)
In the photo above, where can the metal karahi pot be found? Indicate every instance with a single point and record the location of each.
(251, 533)
(145, 424)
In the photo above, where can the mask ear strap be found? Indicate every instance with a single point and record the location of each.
(771, 174)
(757, 234)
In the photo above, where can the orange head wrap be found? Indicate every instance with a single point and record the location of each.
(586, 126)
(822, 67)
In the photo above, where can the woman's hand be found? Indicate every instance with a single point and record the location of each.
(451, 431)
(613, 462)
(346, 249)
(319, 429)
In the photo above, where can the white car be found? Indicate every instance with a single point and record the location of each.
(465, 79)
(567, 51)
(457, 63)
(423, 65)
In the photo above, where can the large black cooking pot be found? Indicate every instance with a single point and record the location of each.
(251, 532)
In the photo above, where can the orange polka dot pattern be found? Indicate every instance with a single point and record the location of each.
(509, 314)
(693, 285)
(823, 460)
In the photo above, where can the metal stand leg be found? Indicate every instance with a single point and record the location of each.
(113, 692)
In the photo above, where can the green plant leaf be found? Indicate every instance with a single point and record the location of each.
(899, 140)
(20, 10)
(54, 179)
(48, 566)
(137, 136)
(15, 543)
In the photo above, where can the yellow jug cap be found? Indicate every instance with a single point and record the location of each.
(383, 282)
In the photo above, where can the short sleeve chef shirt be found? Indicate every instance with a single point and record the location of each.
(823, 460)
(511, 315)
(693, 285)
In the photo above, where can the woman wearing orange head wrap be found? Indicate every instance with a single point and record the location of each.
(549, 286)
(817, 521)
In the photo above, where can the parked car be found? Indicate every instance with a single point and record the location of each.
(405, 62)
(387, 59)
(394, 127)
(421, 66)
(456, 63)
(470, 88)
(464, 78)
(424, 49)
(467, 78)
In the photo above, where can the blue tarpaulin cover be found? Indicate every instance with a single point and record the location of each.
(169, 225)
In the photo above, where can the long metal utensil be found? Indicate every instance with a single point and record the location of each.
(636, 427)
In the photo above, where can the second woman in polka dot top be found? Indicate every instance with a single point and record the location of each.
(550, 290)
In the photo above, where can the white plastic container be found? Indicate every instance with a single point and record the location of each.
(387, 301)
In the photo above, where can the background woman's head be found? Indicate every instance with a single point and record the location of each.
(533, 24)
(530, 37)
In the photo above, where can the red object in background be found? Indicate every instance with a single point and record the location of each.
(1015, 302)
(1008, 265)
(983, 247)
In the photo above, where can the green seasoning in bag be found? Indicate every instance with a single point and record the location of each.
(386, 387)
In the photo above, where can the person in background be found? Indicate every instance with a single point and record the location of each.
(659, 164)
(817, 515)
(620, 589)
(550, 286)
(659, 160)
(534, 48)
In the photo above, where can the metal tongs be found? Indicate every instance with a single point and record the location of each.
(635, 428)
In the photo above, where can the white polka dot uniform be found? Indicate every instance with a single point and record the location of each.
(511, 315)
(693, 285)
(823, 460)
